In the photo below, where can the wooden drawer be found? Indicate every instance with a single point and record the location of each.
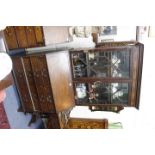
(21, 83)
(31, 83)
(42, 82)
(39, 35)
(21, 36)
(83, 123)
(30, 33)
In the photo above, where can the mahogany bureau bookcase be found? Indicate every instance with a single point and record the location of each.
(50, 84)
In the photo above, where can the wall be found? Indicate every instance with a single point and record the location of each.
(124, 33)
(55, 34)
(57, 37)
(147, 105)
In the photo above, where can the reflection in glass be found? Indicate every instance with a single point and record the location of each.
(79, 65)
(99, 64)
(120, 64)
(102, 93)
(108, 64)
(82, 93)
(119, 93)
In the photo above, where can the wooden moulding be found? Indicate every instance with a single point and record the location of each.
(85, 123)
(113, 108)
(116, 43)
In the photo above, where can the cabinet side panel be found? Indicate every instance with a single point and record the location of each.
(141, 52)
(135, 62)
(61, 80)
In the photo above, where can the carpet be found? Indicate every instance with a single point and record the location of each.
(4, 124)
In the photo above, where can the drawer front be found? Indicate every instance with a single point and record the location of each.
(22, 86)
(10, 37)
(31, 84)
(21, 36)
(39, 35)
(30, 33)
(42, 82)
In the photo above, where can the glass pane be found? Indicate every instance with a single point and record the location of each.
(82, 95)
(120, 64)
(79, 65)
(108, 64)
(119, 93)
(102, 93)
(99, 64)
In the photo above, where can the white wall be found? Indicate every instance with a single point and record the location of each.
(147, 99)
(124, 33)
(55, 34)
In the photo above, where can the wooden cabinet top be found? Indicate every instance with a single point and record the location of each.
(23, 36)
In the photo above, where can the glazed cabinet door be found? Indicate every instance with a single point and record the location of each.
(106, 76)
(61, 79)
